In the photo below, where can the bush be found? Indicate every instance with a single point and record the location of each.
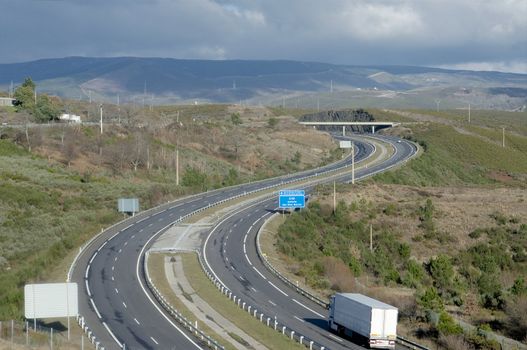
(442, 271)
(430, 300)
(447, 325)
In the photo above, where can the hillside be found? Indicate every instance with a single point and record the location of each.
(59, 183)
(449, 230)
(299, 84)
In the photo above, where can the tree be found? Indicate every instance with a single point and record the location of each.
(46, 109)
(442, 271)
(25, 95)
(43, 109)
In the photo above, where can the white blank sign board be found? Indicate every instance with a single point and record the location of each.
(51, 300)
(345, 144)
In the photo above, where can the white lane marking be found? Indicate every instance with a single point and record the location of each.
(336, 338)
(160, 219)
(124, 305)
(246, 257)
(136, 321)
(95, 308)
(150, 225)
(255, 269)
(254, 289)
(127, 227)
(87, 271)
(143, 219)
(113, 279)
(116, 290)
(278, 289)
(234, 225)
(113, 267)
(113, 336)
(155, 341)
(313, 311)
(120, 250)
(88, 288)
(226, 258)
(115, 259)
(244, 239)
(298, 318)
(141, 230)
(126, 243)
(138, 262)
(102, 246)
(270, 302)
(133, 236)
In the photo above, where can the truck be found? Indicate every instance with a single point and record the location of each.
(354, 314)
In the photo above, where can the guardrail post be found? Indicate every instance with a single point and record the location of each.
(292, 335)
(261, 317)
(283, 330)
(243, 305)
(249, 309)
(255, 311)
(301, 339)
(268, 320)
(311, 345)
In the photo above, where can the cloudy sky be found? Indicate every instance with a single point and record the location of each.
(480, 34)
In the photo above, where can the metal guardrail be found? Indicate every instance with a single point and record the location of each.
(269, 321)
(156, 211)
(211, 343)
(400, 340)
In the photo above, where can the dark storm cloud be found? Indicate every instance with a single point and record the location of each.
(422, 32)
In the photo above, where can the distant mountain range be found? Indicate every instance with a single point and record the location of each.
(305, 84)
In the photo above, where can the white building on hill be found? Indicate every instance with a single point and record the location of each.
(70, 118)
(7, 101)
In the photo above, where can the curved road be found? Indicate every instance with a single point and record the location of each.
(231, 254)
(114, 301)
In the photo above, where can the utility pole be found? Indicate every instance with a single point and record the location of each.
(371, 238)
(503, 137)
(469, 113)
(177, 167)
(353, 163)
(118, 109)
(100, 110)
(331, 87)
(318, 104)
(89, 93)
(437, 104)
(35, 96)
(11, 90)
(334, 197)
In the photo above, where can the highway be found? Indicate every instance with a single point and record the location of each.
(113, 298)
(231, 254)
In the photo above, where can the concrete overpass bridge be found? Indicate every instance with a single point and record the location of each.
(344, 124)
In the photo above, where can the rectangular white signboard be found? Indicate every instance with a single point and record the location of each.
(51, 300)
(345, 144)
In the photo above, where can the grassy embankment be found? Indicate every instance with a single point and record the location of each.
(479, 274)
(61, 187)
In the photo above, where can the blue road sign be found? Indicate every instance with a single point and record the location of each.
(292, 199)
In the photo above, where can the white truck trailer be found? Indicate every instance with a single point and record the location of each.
(351, 313)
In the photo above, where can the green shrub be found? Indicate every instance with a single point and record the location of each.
(447, 325)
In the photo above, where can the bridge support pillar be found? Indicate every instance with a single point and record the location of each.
(373, 129)
(343, 130)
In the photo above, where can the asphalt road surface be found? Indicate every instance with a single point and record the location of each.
(120, 310)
